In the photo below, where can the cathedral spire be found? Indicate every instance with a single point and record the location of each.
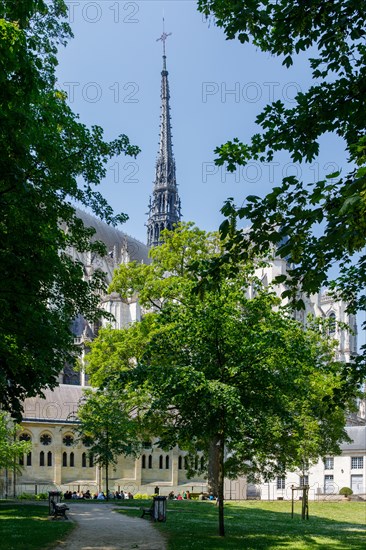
(164, 206)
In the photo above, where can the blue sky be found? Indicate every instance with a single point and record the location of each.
(111, 70)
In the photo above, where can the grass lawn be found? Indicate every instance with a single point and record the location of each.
(28, 527)
(256, 525)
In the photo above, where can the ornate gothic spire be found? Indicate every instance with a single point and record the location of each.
(164, 206)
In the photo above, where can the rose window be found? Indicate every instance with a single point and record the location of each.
(45, 439)
(68, 440)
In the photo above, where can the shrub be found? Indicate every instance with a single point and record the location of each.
(25, 496)
(42, 496)
(346, 491)
(141, 496)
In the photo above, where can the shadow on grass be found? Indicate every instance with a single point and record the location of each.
(263, 526)
(29, 526)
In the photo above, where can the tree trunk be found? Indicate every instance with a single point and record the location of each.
(213, 466)
(216, 476)
(221, 448)
(106, 481)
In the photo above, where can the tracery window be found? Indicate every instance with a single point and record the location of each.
(25, 437)
(68, 440)
(332, 323)
(45, 439)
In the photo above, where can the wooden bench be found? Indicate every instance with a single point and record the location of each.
(59, 509)
(148, 511)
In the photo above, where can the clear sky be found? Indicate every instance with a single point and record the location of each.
(111, 70)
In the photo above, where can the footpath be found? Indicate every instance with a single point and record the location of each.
(99, 527)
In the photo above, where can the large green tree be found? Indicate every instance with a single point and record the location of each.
(222, 369)
(313, 225)
(11, 448)
(49, 162)
(105, 423)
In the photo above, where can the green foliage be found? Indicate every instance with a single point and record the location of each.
(346, 491)
(313, 225)
(25, 496)
(223, 364)
(26, 526)
(10, 446)
(49, 161)
(42, 496)
(104, 418)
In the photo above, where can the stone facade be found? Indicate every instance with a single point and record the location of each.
(328, 476)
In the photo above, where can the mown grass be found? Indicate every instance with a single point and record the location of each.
(28, 527)
(258, 525)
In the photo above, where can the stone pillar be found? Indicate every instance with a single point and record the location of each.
(138, 472)
(57, 468)
(175, 471)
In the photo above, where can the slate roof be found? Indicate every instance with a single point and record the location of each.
(112, 236)
(358, 436)
(58, 405)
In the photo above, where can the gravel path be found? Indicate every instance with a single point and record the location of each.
(99, 527)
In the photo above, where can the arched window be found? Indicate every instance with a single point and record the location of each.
(41, 458)
(180, 462)
(202, 463)
(186, 462)
(161, 462)
(29, 459)
(91, 461)
(64, 459)
(83, 460)
(150, 461)
(167, 462)
(196, 462)
(49, 458)
(332, 323)
(143, 462)
(72, 464)
(21, 460)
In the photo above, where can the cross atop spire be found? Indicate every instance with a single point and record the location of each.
(163, 37)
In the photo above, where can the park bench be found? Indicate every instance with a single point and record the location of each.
(59, 509)
(148, 511)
